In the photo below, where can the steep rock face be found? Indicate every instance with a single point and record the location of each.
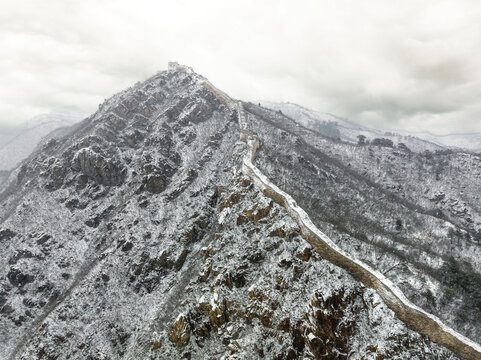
(87, 212)
(101, 170)
(256, 295)
(136, 236)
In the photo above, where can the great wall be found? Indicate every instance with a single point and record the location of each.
(413, 316)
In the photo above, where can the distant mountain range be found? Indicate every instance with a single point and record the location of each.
(17, 143)
(347, 130)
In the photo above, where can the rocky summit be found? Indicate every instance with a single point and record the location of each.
(178, 223)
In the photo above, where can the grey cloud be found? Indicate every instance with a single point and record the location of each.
(412, 64)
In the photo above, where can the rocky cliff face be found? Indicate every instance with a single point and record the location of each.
(136, 235)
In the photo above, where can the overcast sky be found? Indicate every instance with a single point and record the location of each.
(392, 64)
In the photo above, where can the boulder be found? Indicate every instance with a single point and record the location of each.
(154, 183)
(179, 332)
(18, 278)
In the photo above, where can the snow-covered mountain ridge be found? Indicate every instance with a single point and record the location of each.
(136, 235)
(346, 130)
(409, 313)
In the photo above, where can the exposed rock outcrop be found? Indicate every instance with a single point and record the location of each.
(104, 171)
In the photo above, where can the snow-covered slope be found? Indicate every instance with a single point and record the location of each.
(135, 235)
(413, 216)
(415, 317)
(469, 141)
(338, 127)
(16, 144)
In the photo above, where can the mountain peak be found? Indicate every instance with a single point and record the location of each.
(175, 66)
